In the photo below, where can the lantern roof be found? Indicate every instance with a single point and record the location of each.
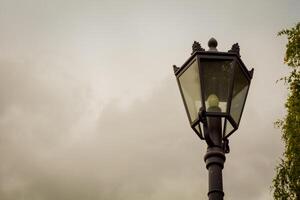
(213, 52)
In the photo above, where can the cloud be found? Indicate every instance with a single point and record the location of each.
(84, 113)
(38, 110)
(129, 153)
(145, 150)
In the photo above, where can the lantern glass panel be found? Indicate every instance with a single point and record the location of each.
(217, 80)
(240, 89)
(190, 87)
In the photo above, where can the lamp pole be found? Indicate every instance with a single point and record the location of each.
(214, 159)
(214, 87)
(215, 155)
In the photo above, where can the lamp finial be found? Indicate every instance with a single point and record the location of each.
(212, 44)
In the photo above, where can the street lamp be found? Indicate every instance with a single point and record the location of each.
(214, 87)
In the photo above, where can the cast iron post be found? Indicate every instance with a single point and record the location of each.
(214, 157)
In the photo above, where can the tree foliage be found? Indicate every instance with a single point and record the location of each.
(286, 183)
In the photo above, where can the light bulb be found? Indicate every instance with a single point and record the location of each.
(213, 100)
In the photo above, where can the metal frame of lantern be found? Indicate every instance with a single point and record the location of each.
(198, 55)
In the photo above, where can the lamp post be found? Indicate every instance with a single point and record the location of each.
(214, 87)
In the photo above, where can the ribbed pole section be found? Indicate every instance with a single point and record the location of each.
(214, 159)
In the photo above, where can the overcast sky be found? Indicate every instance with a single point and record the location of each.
(90, 108)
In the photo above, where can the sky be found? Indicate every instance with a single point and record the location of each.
(90, 108)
